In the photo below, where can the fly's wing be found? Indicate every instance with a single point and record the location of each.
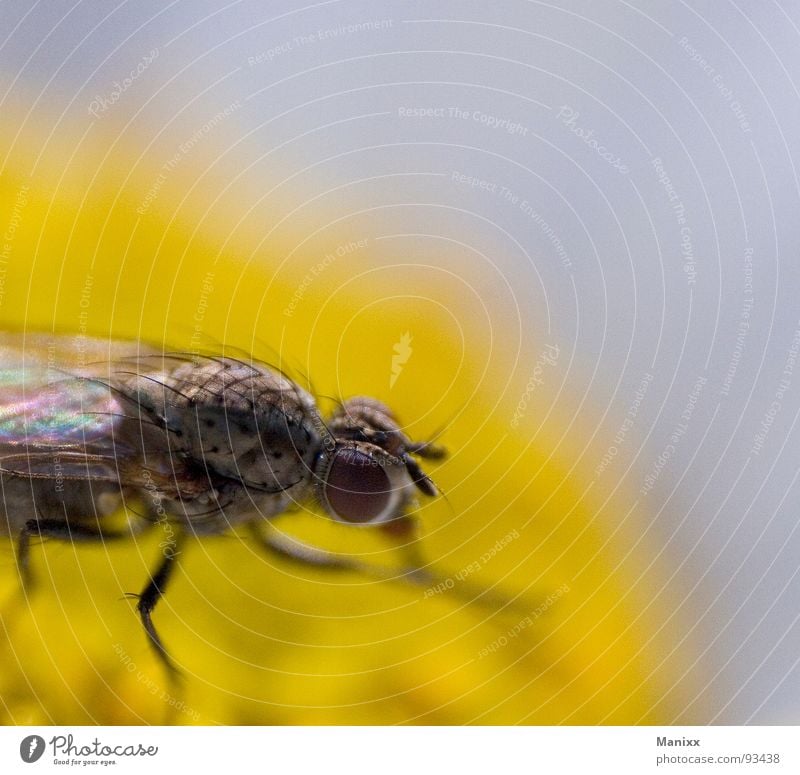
(67, 354)
(59, 426)
(56, 426)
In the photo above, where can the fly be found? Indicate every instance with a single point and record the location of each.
(201, 443)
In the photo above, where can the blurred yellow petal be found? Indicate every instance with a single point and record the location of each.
(260, 642)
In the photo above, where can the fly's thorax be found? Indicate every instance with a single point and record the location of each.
(235, 420)
(263, 448)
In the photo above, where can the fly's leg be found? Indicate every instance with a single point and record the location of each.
(150, 596)
(24, 557)
(403, 532)
(302, 554)
(67, 531)
(60, 530)
(414, 572)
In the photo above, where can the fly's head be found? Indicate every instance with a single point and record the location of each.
(367, 471)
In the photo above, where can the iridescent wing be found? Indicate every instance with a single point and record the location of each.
(55, 425)
(62, 418)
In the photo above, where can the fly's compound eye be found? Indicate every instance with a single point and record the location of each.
(356, 487)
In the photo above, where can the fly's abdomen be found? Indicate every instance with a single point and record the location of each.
(58, 499)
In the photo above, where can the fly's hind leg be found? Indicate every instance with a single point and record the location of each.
(151, 594)
(61, 530)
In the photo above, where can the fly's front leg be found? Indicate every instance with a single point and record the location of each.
(150, 596)
(61, 530)
(403, 532)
